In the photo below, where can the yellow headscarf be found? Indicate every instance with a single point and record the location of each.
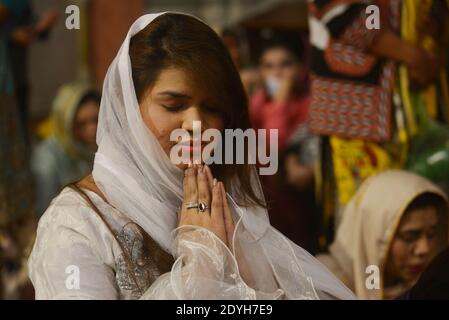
(65, 106)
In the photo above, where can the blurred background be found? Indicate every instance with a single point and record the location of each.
(68, 55)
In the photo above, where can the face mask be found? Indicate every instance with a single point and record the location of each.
(272, 86)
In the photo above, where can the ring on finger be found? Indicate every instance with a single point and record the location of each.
(195, 205)
(192, 205)
(202, 206)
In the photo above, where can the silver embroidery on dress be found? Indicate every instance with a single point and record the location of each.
(141, 263)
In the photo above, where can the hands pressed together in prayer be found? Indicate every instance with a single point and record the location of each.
(200, 187)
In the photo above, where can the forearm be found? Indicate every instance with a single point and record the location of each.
(391, 46)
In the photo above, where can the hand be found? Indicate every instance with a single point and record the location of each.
(298, 175)
(422, 68)
(199, 186)
(244, 270)
(47, 21)
(287, 82)
(23, 36)
(421, 64)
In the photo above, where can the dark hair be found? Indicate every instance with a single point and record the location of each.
(185, 42)
(92, 95)
(293, 45)
(426, 200)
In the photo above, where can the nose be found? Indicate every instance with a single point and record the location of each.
(422, 246)
(191, 115)
(278, 72)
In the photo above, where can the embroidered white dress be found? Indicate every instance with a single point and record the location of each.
(79, 254)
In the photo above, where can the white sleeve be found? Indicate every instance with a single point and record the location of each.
(65, 266)
(204, 269)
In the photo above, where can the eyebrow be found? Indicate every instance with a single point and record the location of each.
(174, 94)
(411, 231)
(435, 226)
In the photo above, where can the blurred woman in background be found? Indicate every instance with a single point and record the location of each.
(68, 154)
(283, 104)
(397, 222)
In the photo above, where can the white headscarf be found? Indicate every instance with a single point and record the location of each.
(137, 177)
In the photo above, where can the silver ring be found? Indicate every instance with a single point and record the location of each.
(192, 205)
(200, 206)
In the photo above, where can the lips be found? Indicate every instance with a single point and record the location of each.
(416, 270)
(193, 146)
(193, 149)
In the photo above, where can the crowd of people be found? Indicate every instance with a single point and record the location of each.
(360, 195)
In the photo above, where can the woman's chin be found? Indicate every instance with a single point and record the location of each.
(182, 166)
